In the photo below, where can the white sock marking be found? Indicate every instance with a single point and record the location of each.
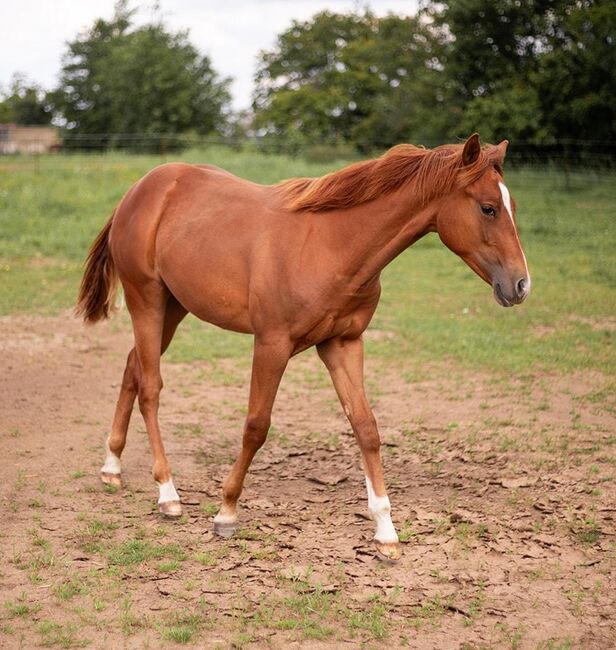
(380, 509)
(166, 492)
(225, 519)
(112, 462)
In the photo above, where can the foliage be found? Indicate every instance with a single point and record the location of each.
(23, 103)
(539, 70)
(577, 77)
(532, 69)
(121, 79)
(350, 77)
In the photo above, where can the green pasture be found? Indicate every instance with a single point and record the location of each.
(433, 307)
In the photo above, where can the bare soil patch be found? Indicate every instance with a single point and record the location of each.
(502, 491)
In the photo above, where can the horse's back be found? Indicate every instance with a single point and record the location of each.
(195, 228)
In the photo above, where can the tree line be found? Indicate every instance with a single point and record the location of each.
(539, 71)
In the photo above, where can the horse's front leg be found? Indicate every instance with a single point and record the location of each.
(344, 359)
(270, 359)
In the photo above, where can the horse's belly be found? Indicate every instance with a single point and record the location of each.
(210, 302)
(209, 282)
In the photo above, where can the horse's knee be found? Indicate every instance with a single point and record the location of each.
(255, 430)
(367, 435)
(149, 391)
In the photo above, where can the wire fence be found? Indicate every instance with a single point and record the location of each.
(569, 156)
(567, 152)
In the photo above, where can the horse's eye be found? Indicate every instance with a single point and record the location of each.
(488, 210)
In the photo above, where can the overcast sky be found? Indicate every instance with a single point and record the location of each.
(33, 33)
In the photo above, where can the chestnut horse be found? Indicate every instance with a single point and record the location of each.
(295, 264)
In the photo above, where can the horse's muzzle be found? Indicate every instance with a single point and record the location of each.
(518, 293)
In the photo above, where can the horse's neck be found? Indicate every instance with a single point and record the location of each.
(382, 229)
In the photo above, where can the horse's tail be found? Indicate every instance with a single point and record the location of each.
(100, 280)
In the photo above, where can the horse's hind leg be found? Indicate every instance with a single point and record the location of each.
(111, 470)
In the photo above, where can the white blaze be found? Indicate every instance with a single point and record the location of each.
(507, 202)
(506, 199)
(166, 492)
(380, 509)
(112, 462)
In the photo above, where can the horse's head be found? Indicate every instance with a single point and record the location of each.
(477, 222)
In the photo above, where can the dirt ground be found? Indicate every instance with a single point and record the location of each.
(502, 491)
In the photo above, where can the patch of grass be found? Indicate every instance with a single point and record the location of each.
(194, 430)
(98, 604)
(248, 534)
(467, 534)
(406, 533)
(430, 611)
(92, 538)
(209, 507)
(475, 604)
(565, 643)
(168, 566)
(312, 615)
(207, 559)
(64, 636)
(586, 529)
(181, 627)
(44, 559)
(371, 619)
(137, 551)
(20, 608)
(69, 588)
(130, 623)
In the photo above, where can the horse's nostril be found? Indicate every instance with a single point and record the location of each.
(521, 286)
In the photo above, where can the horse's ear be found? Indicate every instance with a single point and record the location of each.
(501, 152)
(472, 149)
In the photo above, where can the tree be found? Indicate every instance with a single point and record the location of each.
(24, 103)
(576, 81)
(490, 40)
(122, 79)
(351, 78)
(530, 69)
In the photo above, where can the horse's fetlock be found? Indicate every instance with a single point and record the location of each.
(161, 472)
(115, 445)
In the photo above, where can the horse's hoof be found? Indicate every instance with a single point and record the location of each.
(111, 479)
(172, 509)
(225, 529)
(389, 552)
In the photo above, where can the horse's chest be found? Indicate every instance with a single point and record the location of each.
(347, 316)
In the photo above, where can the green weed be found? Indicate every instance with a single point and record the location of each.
(137, 551)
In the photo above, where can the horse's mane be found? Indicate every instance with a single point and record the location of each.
(434, 172)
